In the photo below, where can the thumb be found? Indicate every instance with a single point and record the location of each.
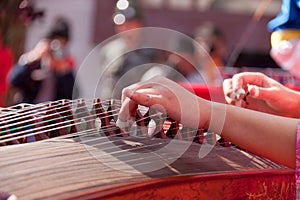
(260, 92)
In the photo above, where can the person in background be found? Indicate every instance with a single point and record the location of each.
(180, 66)
(121, 55)
(6, 63)
(46, 72)
(211, 39)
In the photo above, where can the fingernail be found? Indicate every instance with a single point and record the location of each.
(240, 93)
(254, 91)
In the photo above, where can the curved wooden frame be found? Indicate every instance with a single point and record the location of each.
(264, 184)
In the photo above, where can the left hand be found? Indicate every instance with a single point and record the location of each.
(265, 94)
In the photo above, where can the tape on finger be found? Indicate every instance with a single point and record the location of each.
(123, 124)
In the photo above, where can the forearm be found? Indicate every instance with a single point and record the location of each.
(271, 136)
(293, 103)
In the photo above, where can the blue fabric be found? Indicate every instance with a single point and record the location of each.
(288, 17)
(21, 78)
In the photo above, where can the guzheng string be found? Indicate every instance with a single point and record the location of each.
(15, 126)
(33, 112)
(88, 117)
(26, 115)
(117, 152)
(47, 128)
(86, 132)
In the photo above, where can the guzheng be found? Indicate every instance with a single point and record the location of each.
(72, 149)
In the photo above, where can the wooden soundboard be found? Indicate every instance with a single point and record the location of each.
(94, 167)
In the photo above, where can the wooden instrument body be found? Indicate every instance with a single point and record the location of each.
(65, 169)
(85, 162)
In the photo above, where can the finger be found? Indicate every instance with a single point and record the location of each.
(146, 97)
(261, 93)
(126, 116)
(227, 90)
(227, 86)
(133, 98)
(241, 80)
(127, 92)
(149, 98)
(127, 110)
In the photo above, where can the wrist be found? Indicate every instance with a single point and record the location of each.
(213, 118)
(205, 108)
(294, 105)
(296, 109)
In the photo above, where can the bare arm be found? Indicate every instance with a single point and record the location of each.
(271, 136)
(267, 135)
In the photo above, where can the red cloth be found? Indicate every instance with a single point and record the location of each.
(6, 62)
(213, 93)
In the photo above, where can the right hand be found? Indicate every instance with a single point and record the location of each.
(265, 94)
(167, 97)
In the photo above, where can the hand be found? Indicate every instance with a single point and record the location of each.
(167, 97)
(264, 94)
(40, 50)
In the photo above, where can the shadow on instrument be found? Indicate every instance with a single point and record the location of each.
(74, 150)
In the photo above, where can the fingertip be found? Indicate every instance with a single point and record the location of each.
(127, 110)
(237, 82)
(227, 82)
(227, 85)
(122, 124)
(227, 90)
(253, 91)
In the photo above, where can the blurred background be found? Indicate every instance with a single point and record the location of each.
(243, 24)
(91, 22)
